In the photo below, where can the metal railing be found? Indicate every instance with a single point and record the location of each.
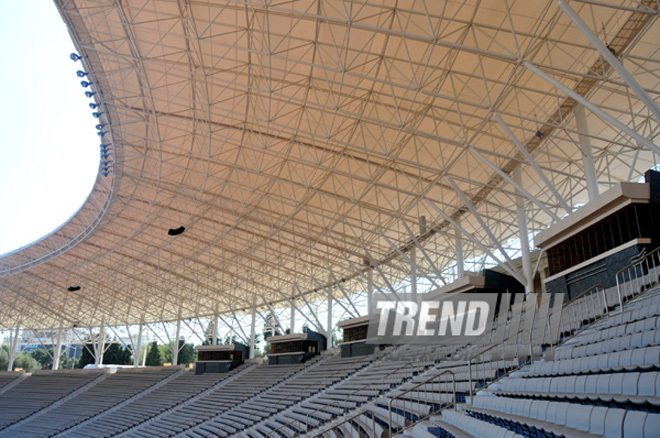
(346, 398)
(332, 376)
(639, 273)
(355, 416)
(642, 272)
(430, 401)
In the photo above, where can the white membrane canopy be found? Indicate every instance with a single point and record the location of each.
(296, 139)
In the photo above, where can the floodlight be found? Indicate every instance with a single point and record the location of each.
(90, 93)
(81, 74)
(75, 57)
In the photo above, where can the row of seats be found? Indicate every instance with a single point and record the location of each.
(303, 382)
(116, 388)
(612, 390)
(39, 391)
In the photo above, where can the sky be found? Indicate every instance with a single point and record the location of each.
(49, 149)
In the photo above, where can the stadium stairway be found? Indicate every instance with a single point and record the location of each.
(10, 379)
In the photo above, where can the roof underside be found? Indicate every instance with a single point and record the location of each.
(295, 140)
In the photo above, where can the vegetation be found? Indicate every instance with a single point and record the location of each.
(187, 353)
(115, 354)
(154, 357)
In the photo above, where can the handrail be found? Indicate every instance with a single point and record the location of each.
(389, 403)
(351, 394)
(331, 376)
(637, 262)
(356, 415)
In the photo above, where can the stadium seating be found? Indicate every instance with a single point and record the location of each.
(602, 380)
(39, 391)
(114, 389)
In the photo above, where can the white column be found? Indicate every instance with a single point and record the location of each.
(13, 345)
(144, 353)
(215, 328)
(587, 153)
(99, 345)
(252, 332)
(137, 349)
(329, 325)
(460, 258)
(57, 351)
(412, 255)
(524, 235)
(370, 285)
(175, 349)
(292, 317)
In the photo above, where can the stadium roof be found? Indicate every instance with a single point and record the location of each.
(300, 142)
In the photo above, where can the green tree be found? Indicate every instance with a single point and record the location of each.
(230, 339)
(43, 357)
(26, 363)
(116, 354)
(4, 358)
(154, 357)
(186, 353)
(166, 353)
(66, 363)
(86, 357)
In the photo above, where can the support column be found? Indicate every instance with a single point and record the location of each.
(460, 258)
(144, 354)
(370, 285)
(412, 255)
(292, 317)
(138, 348)
(175, 349)
(524, 235)
(57, 351)
(214, 336)
(13, 345)
(587, 153)
(100, 346)
(329, 325)
(252, 332)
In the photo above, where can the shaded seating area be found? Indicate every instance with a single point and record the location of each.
(114, 389)
(41, 390)
(600, 383)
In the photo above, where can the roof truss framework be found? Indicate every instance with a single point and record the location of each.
(295, 139)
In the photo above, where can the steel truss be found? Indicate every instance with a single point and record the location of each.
(320, 151)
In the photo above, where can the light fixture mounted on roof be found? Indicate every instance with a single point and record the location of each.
(94, 105)
(86, 84)
(75, 57)
(176, 231)
(81, 74)
(90, 93)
